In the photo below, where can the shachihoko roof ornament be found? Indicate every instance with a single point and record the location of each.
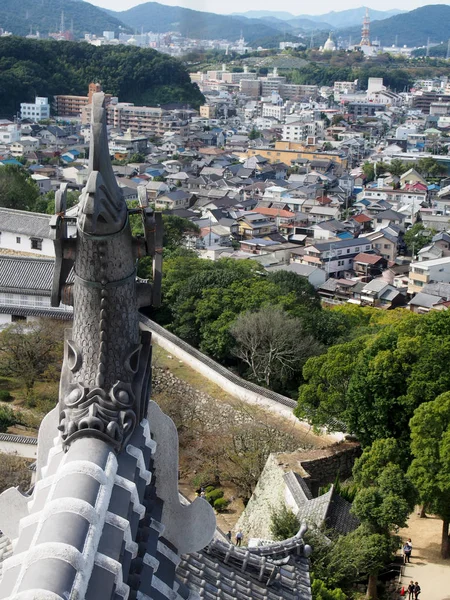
(104, 520)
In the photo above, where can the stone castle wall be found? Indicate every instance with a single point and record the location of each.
(317, 467)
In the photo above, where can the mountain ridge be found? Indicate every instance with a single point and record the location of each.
(348, 17)
(411, 28)
(45, 17)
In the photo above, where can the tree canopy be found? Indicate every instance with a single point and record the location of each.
(430, 467)
(374, 383)
(17, 189)
(30, 68)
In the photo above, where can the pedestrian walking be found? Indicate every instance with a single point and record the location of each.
(417, 590)
(239, 537)
(228, 536)
(407, 549)
(411, 588)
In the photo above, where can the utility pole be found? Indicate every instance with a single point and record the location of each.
(448, 50)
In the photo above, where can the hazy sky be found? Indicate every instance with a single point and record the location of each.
(296, 8)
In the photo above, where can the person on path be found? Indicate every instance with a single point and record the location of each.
(228, 536)
(239, 537)
(411, 588)
(407, 549)
(417, 590)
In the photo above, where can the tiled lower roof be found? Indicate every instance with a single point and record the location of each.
(226, 572)
(18, 439)
(27, 311)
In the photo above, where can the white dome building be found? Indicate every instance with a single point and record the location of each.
(329, 45)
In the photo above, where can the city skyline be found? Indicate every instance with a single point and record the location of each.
(232, 6)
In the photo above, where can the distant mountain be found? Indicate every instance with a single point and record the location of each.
(412, 28)
(333, 19)
(309, 24)
(295, 25)
(45, 16)
(261, 14)
(352, 16)
(152, 16)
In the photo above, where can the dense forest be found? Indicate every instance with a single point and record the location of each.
(45, 17)
(30, 68)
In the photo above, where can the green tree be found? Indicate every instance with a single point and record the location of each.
(17, 189)
(429, 167)
(384, 500)
(254, 134)
(305, 296)
(323, 396)
(360, 554)
(417, 237)
(137, 157)
(397, 167)
(374, 170)
(283, 523)
(430, 468)
(320, 591)
(7, 418)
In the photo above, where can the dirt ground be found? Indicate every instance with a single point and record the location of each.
(426, 567)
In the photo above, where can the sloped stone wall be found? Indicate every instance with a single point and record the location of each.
(317, 467)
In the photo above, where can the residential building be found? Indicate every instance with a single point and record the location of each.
(364, 109)
(314, 275)
(9, 133)
(140, 120)
(379, 292)
(369, 265)
(173, 200)
(385, 243)
(254, 225)
(428, 271)
(333, 257)
(43, 182)
(300, 130)
(72, 106)
(38, 111)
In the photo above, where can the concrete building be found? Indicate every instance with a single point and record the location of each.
(428, 271)
(72, 106)
(38, 111)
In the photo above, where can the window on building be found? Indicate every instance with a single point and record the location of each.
(387, 246)
(36, 243)
(18, 240)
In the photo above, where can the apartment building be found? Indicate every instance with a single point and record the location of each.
(72, 106)
(345, 87)
(299, 130)
(145, 119)
(35, 112)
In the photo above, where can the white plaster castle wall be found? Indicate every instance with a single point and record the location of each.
(232, 388)
(24, 450)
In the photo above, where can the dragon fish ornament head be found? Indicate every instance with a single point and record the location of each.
(105, 379)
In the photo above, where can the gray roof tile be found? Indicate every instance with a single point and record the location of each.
(25, 222)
